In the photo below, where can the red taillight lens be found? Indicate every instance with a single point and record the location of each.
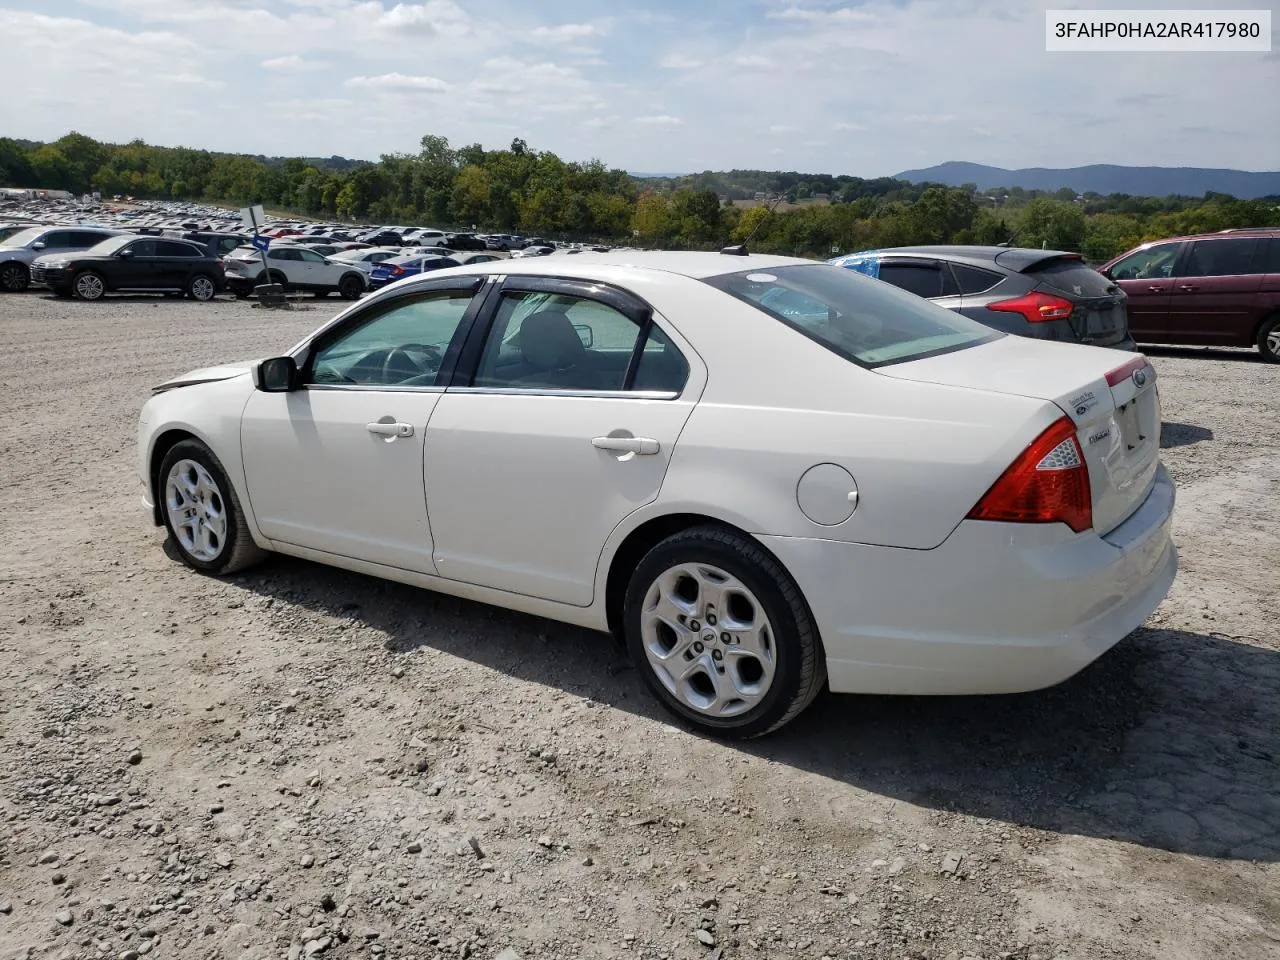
(1036, 307)
(396, 271)
(1124, 372)
(1047, 483)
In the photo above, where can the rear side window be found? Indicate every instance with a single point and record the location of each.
(1071, 277)
(860, 319)
(1220, 258)
(974, 280)
(169, 248)
(923, 281)
(1270, 257)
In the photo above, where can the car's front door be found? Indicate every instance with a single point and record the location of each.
(1213, 291)
(1146, 277)
(336, 465)
(315, 270)
(565, 427)
(133, 266)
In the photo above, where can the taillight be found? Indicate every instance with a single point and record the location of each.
(1123, 372)
(1047, 483)
(1036, 307)
(396, 271)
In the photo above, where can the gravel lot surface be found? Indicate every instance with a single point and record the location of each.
(300, 761)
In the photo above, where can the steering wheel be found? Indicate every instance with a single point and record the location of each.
(400, 366)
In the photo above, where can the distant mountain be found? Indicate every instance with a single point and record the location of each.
(653, 176)
(1106, 178)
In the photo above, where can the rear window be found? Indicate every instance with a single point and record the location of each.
(863, 320)
(1073, 277)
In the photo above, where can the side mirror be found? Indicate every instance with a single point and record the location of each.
(1106, 272)
(585, 334)
(38, 245)
(277, 375)
(126, 253)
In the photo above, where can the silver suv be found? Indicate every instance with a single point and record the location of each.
(17, 252)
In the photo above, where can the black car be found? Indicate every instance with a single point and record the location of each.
(382, 238)
(1046, 294)
(464, 241)
(148, 264)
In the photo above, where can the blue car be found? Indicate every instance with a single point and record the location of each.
(397, 268)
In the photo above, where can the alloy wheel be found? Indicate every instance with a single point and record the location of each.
(196, 510)
(202, 288)
(708, 640)
(1273, 341)
(89, 286)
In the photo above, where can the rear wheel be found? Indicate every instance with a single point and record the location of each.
(14, 277)
(89, 285)
(202, 512)
(350, 287)
(721, 633)
(1269, 340)
(201, 288)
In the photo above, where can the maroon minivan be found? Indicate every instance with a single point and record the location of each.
(1215, 289)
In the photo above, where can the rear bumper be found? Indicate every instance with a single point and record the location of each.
(997, 608)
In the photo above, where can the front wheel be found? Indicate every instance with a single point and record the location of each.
(89, 285)
(14, 277)
(721, 633)
(202, 512)
(350, 287)
(1269, 340)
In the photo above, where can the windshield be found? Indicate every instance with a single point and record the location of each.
(110, 245)
(867, 321)
(23, 238)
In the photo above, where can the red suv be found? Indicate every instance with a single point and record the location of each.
(1219, 289)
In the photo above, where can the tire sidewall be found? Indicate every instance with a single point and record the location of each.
(352, 283)
(1267, 328)
(23, 271)
(197, 451)
(787, 676)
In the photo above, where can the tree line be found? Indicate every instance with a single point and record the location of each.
(523, 190)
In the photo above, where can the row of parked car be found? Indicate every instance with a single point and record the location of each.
(1217, 289)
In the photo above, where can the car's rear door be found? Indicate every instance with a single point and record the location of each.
(174, 264)
(1213, 291)
(561, 422)
(336, 466)
(923, 276)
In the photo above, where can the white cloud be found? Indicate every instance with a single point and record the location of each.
(292, 64)
(401, 83)
(660, 120)
(753, 61)
(565, 33)
(811, 15)
(434, 17)
(190, 80)
(782, 128)
(681, 61)
(845, 125)
(929, 119)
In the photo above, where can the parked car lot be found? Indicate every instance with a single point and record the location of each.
(1046, 294)
(1217, 289)
(388, 716)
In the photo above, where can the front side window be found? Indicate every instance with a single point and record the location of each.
(1220, 258)
(142, 248)
(400, 344)
(863, 320)
(552, 341)
(58, 239)
(310, 256)
(1152, 263)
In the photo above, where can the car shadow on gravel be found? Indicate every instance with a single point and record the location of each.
(1182, 434)
(1170, 741)
(1238, 354)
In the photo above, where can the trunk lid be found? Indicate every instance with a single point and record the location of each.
(1100, 315)
(1109, 395)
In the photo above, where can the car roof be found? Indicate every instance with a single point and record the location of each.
(1246, 233)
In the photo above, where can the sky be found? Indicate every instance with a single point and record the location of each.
(864, 88)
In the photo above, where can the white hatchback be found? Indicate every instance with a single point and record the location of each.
(767, 475)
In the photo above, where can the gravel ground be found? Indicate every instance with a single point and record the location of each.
(300, 761)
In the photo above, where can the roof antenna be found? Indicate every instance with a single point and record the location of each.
(740, 249)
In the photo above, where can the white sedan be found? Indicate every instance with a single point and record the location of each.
(768, 476)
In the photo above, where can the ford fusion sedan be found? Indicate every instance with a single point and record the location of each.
(863, 492)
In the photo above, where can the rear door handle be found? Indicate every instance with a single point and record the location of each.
(642, 446)
(1155, 289)
(390, 429)
(1187, 286)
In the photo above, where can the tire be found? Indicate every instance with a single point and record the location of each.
(689, 568)
(217, 540)
(89, 285)
(14, 277)
(350, 287)
(202, 288)
(1269, 340)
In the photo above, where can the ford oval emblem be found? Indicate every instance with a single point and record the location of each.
(1140, 377)
(1081, 410)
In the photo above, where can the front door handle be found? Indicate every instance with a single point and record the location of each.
(1188, 287)
(1155, 289)
(642, 446)
(390, 429)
